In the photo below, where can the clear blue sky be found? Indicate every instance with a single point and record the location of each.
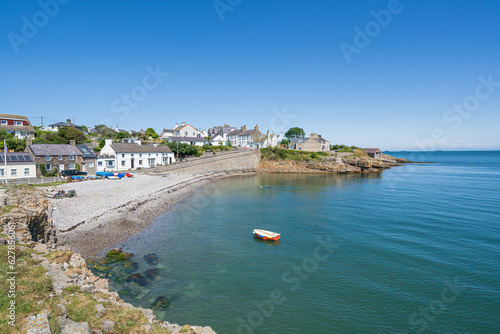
(263, 58)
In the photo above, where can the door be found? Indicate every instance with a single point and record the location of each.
(132, 163)
(61, 167)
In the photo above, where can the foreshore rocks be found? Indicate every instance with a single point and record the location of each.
(29, 219)
(330, 165)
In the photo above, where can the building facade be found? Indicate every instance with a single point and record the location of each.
(315, 143)
(122, 156)
(17, 125)
(20, 165)
(55, 156)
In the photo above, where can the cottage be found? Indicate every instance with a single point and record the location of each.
(315, 143)
(89, 159)
(56, 126)
(19, 126)
(220, 130)
(197, 141)
(269, 140)
(247, 138)
(20, 165)
(121, 156)
(55, 156)
(217, 140)
(373, 152)
(232, 136)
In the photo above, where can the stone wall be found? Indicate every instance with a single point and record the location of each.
(230, 162)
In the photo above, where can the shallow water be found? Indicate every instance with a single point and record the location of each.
(415, 249)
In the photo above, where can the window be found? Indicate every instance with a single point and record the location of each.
(132, 154)
(47, 158)
(109, 163)
(140, 162)
(123, 162)
(151, 161)
(72, 166)
(185, 133)
(26, 171)
(71, 157)
(140, 155)
(123, 155)
(4, 123)
(2, 172)
(18, 123)
(13, 172)
(48, 167)
(91, 164)
(60, 157)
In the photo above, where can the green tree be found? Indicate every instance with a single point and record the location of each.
(150, 132)
(67, 133)
(285, 142)
(122, 135)
(295, 133)
(100, 129)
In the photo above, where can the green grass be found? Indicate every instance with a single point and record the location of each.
(7, 209)
(49, 184)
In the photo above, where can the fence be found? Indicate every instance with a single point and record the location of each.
(33, 181)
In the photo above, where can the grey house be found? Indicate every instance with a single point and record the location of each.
(60, 156)
(89, 159)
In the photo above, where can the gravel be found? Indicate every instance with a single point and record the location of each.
(105, 212)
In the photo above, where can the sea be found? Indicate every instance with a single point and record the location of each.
(415, 249)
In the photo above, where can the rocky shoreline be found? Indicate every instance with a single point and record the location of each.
(29, 215)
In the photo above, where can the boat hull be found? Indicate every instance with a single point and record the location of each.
(266, 235)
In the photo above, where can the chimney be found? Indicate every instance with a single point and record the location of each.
(176, 125)
(72, 142)
(312, 135)
(183, 123)
(68, 121)
(138, 142)
(256, 127)
(108, 141)
(29, 141)
(243, 128)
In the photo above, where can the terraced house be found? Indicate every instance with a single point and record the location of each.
(19, 126)
(123, 156)
(55, 156)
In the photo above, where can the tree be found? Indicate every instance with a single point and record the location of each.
(122, 135)
(285, 142)
(100, 129)
(150, 132)
(67, 133)
(295, 133)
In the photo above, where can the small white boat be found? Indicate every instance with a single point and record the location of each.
(266, 235)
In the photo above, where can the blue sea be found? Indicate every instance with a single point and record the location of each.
(415, 249)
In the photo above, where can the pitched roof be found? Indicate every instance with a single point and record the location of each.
(371, 150)
(234, 132)
(86, 151)
(16, 157)
(14, 116)
(136, 148)
(54, 149)
(65, 124)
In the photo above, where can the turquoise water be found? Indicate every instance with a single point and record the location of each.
(413, 250)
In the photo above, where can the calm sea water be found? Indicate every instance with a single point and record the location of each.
(413, 250)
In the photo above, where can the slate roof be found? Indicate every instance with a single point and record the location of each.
(54, 149)
(246, 133)
(136, 148)
(59, 124)
(17, 157)
(234, 132)
(86, 151)
(371, 150)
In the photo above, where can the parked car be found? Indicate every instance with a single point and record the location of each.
(71, 172)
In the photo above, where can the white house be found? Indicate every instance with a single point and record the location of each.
(20, 165)
(17, 125)
(269, 140)
(186, 130)
(217, 140)
(121, 156)
(232, 136)
(197, 141)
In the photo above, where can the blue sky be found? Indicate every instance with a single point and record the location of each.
(277, 64)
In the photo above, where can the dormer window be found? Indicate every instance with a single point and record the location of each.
(18, 123)
(3, 122)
